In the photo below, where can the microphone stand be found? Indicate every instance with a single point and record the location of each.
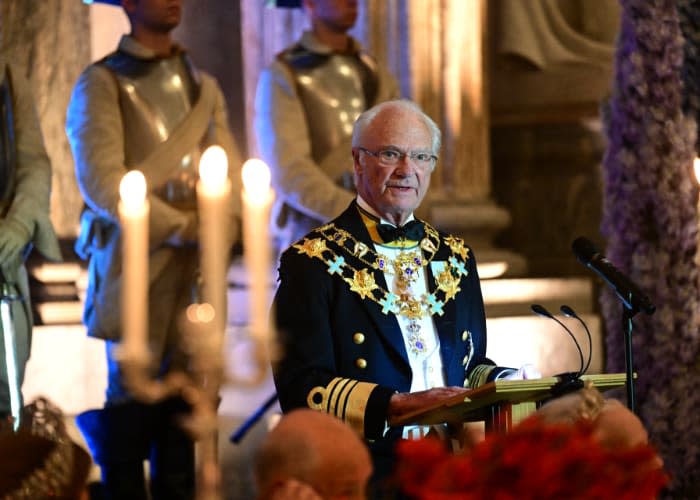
(627, 325)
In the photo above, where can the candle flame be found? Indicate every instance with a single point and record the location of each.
(696, 166)
(132, 189)
(213, 167)
(256, 178)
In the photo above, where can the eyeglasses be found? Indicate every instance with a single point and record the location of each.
(390, 157)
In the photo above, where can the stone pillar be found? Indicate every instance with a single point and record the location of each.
(50, 39)
(447, 54)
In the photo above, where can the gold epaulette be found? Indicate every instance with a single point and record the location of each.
(345, 398)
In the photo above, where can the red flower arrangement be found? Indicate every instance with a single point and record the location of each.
(533, 461)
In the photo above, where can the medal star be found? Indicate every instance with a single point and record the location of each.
(363, 283)
(313, 248)
(448, 284)
(457, 247)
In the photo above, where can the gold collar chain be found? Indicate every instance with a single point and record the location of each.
(362, 281)
(369, 257)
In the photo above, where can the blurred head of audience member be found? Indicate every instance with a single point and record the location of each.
(614, 425)
(39, 460)
(312, 455)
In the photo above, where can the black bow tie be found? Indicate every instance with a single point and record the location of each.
(412, 230)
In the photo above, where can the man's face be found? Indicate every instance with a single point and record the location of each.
(394, 191)
(338, 15)
(158, 16)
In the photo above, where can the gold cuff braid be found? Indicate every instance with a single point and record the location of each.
(344, 398)
(479, 375)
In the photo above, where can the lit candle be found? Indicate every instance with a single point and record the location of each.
(257, 197)
(213, 199)
(133, 214)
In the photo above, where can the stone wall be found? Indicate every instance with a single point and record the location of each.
(548, 177)
(50, 39)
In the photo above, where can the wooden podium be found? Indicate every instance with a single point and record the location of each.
(501, 404)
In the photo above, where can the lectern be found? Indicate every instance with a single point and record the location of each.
(502, 403)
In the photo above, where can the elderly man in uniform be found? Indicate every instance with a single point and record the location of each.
(145, 107)
(305, 105)
(379, 314)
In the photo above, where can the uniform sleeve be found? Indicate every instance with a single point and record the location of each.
(306, 374)
(284, 144)
(30, 203)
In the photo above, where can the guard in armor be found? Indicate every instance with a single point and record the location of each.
(305, 106)
(144, 107)
(25, 188)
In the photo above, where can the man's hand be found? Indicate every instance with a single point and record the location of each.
(526, 372)
(13, 239)
(404, 403)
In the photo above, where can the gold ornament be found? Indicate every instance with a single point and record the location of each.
(448, 284)
(312, 248)
(363, 283)
(457, 246)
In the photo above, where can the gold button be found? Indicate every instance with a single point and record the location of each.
(358, 338)
(361, 363)
(465, 335)
(465, 360)
(466, 383)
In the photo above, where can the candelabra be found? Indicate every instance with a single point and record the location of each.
(203, 324)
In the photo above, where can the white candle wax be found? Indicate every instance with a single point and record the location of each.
(133, 215)
(257, 197)
(213, 199)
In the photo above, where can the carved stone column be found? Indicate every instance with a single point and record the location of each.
(447, 53)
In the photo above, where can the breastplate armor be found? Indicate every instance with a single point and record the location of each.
(334, 89)
(155, 96)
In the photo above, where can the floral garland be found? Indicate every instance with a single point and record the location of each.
(689, 12)
(533, 461)
(650, 221)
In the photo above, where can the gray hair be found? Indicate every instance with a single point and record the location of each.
(366, 118)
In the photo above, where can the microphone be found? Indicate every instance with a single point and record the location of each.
(570, 313)
(568, 381)
(541, 311)
(632, 297)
